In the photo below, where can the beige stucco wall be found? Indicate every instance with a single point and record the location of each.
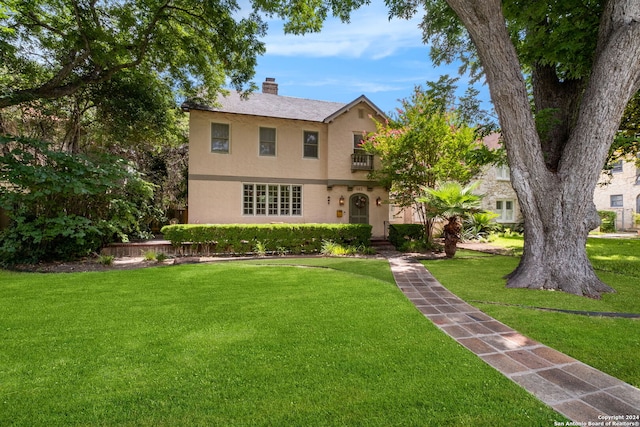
(340, 133)
(621, 183)
(216, 180)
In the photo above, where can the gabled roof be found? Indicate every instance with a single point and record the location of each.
(283, 107)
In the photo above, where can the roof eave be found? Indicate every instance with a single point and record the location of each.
(352, 104)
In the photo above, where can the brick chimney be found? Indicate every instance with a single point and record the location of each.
(270, 86)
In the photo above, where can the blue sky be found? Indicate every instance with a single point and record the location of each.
(371, 56)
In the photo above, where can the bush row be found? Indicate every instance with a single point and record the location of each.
(608, 221)
(280, 238)
(399, 234)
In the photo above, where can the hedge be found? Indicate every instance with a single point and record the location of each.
(608, 221)
(243, 238)
(399, 234)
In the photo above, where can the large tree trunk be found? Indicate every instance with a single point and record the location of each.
(554, 177)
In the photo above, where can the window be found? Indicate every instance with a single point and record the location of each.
(504, 208)
(220, 138)
(503, 173)
(272, 200)
(616, 200)
(617, 167)
(267, 141)
(358, 138)
(310, 145)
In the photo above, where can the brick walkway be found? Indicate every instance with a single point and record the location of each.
(578, 391)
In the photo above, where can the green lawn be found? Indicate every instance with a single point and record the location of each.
(239, 344)
(608, 344)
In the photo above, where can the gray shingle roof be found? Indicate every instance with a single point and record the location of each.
(268, 105)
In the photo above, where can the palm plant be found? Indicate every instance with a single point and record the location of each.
(479, 225)
(451, 201)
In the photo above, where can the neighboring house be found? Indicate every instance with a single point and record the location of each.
(619, 192)
(271, 158)
(495, 185)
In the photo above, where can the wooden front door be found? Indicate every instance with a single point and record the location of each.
(359, 209)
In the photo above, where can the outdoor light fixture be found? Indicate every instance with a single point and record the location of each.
(378, 201)
(341, 201)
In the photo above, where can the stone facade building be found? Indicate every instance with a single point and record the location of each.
(619, 192)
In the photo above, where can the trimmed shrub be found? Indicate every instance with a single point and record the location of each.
(272, 238)
(400, 234)
(608, 221)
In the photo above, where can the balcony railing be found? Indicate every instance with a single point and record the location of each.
(361, 162)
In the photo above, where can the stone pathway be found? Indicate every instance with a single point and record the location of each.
(579, 392)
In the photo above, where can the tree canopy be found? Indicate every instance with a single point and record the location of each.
(427, 142)
(51, 49)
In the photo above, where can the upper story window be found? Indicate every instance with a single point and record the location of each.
(358, 138)
(220, 138)
(503, 173)
(616, 201)
(310, 144)
(267, 141)
(617, 167)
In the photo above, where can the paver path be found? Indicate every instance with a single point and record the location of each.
(579, 392)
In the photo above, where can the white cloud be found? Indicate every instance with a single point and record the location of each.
(370, 34)
(354, 84)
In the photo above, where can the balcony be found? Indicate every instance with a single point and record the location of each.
(361, 162)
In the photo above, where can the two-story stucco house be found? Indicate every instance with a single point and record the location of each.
(619, 192)
(271, 158)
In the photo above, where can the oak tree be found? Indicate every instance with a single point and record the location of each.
(583, 58)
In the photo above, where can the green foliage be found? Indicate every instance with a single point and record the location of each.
(479, 225)
(150, 256)
(451, 199)
(399, 234)
(626, 145)
(106, 259)
(245, 238)
(63, 206)
(423, 145)
(560, 34)
(260, 249)
(608, 221)
(87, 43)
(330, 248)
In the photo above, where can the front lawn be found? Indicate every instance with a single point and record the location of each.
(608, 344)
(239, 344)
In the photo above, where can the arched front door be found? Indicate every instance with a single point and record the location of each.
(359, 209)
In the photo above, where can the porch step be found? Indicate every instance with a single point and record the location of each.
(381, 244)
